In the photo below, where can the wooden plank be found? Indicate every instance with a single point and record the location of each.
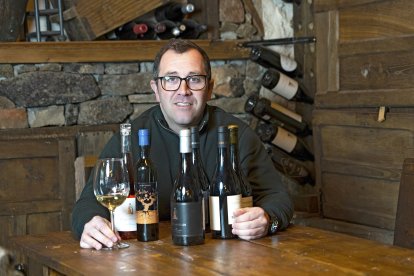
(404, 224)
(34, 206)
(327, 62)
(377, 20)
(362, 200)
(391, 70)
(26, 149)
(373, 46)
(108, 51)
(326, 5)
(12, 14)
(44, 222)
(207, 12)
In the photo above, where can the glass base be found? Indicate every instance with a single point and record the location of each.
(116, 246)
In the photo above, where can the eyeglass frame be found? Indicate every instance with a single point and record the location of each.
(186, 81)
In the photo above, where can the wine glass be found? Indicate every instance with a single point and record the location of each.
(111, 187)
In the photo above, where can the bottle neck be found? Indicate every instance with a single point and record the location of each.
(223, 158)
(186, 162)
(234, 156)
(144, 151)
(125, 143)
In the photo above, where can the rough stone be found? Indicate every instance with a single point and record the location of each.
(146, 67)
(251, 86)
(37, 89)
(228, 81)
(71, 114)
(121, 85)
(54, 67)
(139, 109)
(84, 68)
(104, 111)
(6, 103)
(246, 31)
(142, 98)
(13, 118)
(24, 68)
(121, 68)
(6, 71)
(46, 116)
(231, 105)
(232, 11)
(228, 27)
(254, 70)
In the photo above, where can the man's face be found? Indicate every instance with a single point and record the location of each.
(184, 107)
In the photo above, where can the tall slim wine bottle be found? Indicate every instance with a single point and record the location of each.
(173, 11)
(291, 167)
(266, 110)
(201, 174)
(146, 192)
(131, 31)
(284, 140)
(124, 215)
(284, 86)
(246, 189)
(187, 220)
(225, 193)
(271, 59)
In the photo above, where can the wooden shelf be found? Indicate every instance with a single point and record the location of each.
(107, 51)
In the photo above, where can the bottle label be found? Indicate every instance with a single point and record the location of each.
(285, 140)
(147, 203)
(286, 87)
(288, 64)
(246, 201)
(187, 219)
(230, 204)
(286, 111)
(124, 216)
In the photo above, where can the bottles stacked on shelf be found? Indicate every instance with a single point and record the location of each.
(168, 21)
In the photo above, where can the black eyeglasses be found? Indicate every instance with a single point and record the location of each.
(172, 83)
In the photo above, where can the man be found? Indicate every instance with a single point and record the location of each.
(182, 85)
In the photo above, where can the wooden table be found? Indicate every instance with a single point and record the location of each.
(299, 250)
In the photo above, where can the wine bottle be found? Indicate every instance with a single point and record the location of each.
(266, 110)
(246, 189)
(187, 220)
(297, 2)
(146, 192)
(284, 140)
(131, 31)
(284, 86)
(124, 215)
(225, 194)
(291, 167)
(172, 29)
(201, 174)
(271, 59)
(173, 11)
(193, 29)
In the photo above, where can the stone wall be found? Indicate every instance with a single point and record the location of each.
(40, 95)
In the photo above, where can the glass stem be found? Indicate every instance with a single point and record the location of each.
(112, 220)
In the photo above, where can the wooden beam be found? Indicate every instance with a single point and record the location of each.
(107, 51)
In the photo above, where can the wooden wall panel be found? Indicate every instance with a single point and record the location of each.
(44, 222)
(376, 20)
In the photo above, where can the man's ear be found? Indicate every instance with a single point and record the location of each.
(154, 88)
(210, 89)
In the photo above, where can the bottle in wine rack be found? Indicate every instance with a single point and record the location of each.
(187, 219)
(193, 29)
(272, 112)
(225, 192)
(147, 218)
(173, 11)
(284, 140)
(124, 215)
(271, 59)
(284, 86)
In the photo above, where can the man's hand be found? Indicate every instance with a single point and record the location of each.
(97, 232)
(250, 223)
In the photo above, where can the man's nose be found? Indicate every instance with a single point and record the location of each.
(183, 89)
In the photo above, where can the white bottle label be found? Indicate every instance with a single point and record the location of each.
(288, 64)
(285, 140)
(286, 87)
(233, 203)
(286, 111)
(124, 216)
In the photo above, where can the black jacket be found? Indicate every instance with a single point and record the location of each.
(268, 190)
